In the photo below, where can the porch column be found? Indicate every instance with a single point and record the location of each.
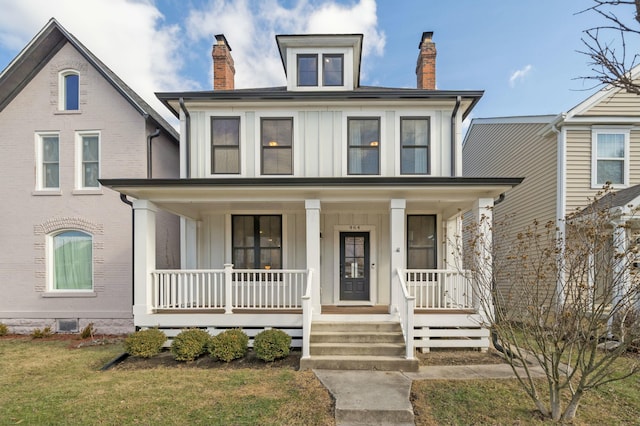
(188, 243)
(621, 278)
(483, 297)
(313, 250)
(453, 243)
(397, 243)
(144, 255)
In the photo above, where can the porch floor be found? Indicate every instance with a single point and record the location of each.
(326, 310)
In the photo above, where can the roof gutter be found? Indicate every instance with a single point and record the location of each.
(454, 117)
(187, 138)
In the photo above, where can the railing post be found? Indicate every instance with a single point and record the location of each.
(411, 304)
(228, 284)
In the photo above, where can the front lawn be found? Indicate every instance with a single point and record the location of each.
(46, 382)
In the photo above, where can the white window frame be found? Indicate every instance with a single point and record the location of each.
(434, 166)
(619, 130)
(79, 173)
(62, 89)
(347, 68)
(383, 142)
(50, 262)
(242, 144)
(40, 162)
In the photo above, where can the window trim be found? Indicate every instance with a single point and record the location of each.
(257, 248)
(428, 146)
(595, 131)
(50, 261)
(211, 149)
(259, 148)
(435, 244)
(380, 146)
(40, 186)
(348, 77)
(79, 172)
(62, 89)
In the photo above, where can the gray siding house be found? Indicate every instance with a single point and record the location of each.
(66, 120)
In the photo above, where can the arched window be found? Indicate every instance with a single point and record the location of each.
(69, 91)
(72, 261)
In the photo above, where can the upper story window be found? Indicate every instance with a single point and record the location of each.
(610, 152)
(414, 146)
(48, 159)
(363, 151)
(276, 136)
(330, 67)
(257, 242)
(333, 70)
(69, 90)
(71, 261)
(225, 145)
(88, 160)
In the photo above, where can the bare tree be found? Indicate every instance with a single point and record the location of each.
(566, 304)
(606, 45)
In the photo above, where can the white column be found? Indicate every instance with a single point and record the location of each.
(453, 243)
(483, 298)
(397, 242)
(621, 278)
(144, 252)
(188, 243)
(313, 250)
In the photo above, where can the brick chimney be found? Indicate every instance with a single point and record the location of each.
(426, 66)
(223, 69)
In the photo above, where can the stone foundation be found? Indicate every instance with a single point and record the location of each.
(69, 325)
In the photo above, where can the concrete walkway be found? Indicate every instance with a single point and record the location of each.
(382, 397)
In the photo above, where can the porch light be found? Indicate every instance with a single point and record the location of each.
(273, 143)
(373, 143)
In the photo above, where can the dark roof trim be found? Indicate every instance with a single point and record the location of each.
(317, 181)
(368, 94)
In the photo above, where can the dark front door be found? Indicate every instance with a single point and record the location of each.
(354, 266)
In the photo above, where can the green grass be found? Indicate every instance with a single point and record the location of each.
(44, 382)
(503, 402)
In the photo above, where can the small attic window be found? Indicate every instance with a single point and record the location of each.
(333, 70)
(307, 70)
(69, 86)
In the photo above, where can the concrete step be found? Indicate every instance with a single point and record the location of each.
(356, 337)
(377, 349)
(380, 326)
(359, 362)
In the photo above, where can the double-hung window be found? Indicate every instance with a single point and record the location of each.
(71, 262)
(363, 136)
(48, 171)
(225, 145)
(421, 242)
(414, 146)
(257, 242)
(69, 90)
(277, 146)
(89, 160)
(610, 157)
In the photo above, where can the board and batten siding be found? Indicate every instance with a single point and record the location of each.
(319, 141)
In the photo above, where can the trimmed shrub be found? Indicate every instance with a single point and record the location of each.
(189, 344)
(4, 330)
(145, 343)
(41, 334)
(229, 345)
(272, 344)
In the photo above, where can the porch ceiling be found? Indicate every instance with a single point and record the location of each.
(194, 197)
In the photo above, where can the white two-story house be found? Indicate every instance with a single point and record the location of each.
(316, 207)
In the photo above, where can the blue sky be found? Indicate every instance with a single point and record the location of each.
(522, 53)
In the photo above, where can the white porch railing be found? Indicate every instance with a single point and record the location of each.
(440, 288)
(404, 308)
(228, 289)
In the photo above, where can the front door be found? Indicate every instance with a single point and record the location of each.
(354, 266)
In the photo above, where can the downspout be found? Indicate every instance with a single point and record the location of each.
(187, 138)
(561, 202)
(124, 199)
(155, 134)
(454, 145)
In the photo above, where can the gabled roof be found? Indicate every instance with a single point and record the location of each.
(628, 197)
(39, 51)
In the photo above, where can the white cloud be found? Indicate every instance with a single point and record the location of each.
(250, 29)
(519, 75)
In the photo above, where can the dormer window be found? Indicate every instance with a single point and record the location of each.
(333, 70)
(69, 91)
(331, 67)
(307, 70)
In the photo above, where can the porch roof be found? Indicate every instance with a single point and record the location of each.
(192, 197)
